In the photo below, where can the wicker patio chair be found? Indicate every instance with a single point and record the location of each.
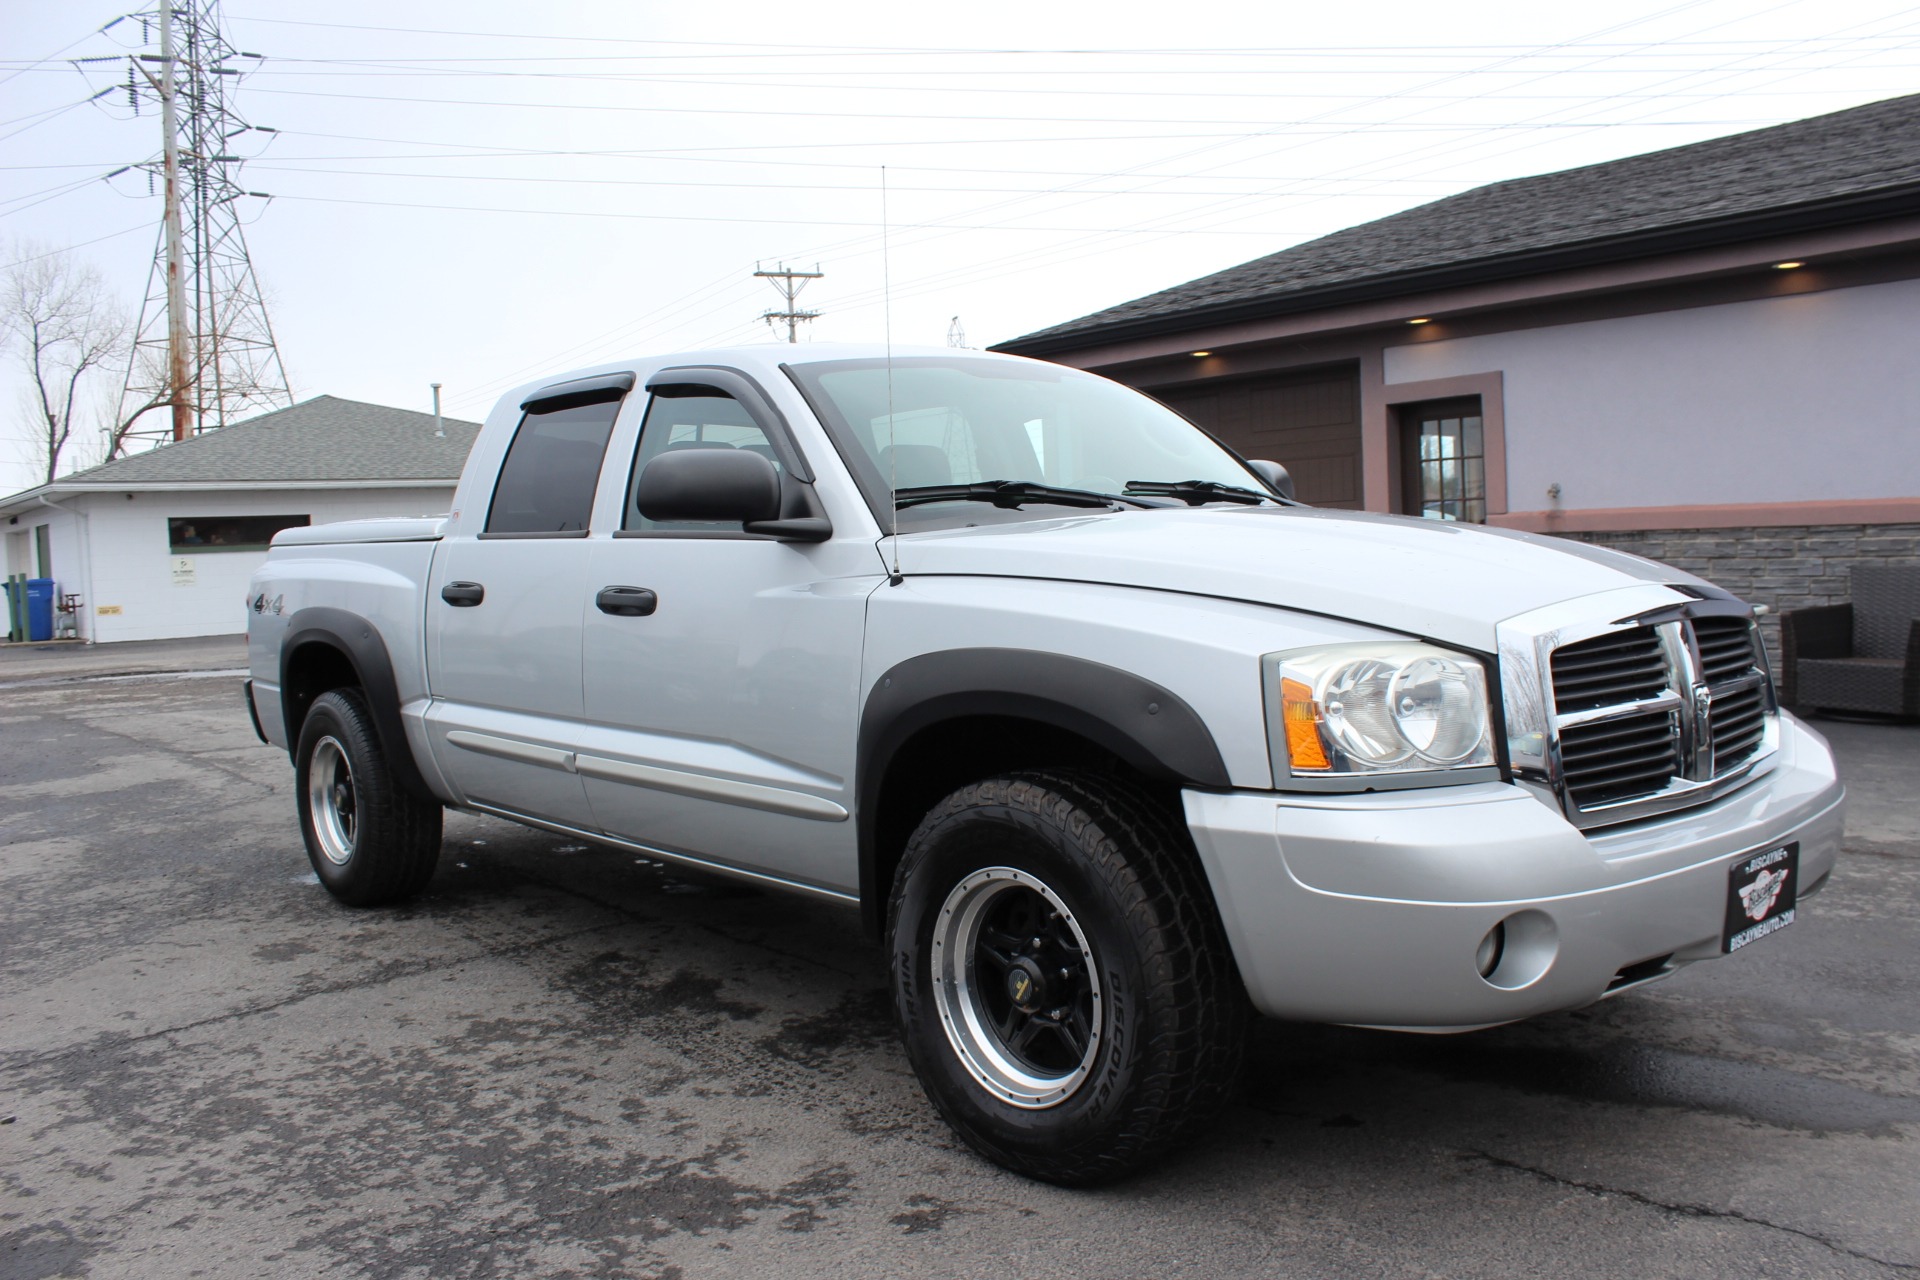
(1860, 656)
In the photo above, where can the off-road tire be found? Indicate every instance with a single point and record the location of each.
(1173, 1003)
(394, 838)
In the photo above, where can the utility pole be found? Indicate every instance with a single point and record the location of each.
(168, 86)
(203, 345)
(789, 283)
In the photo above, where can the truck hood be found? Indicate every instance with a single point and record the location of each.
(1446, 581)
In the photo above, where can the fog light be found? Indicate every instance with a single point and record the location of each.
(1518, 952)
(1492, 947)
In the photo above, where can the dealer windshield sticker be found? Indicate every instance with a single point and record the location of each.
(1761, 896)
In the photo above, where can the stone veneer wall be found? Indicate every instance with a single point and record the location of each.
(1793, 567)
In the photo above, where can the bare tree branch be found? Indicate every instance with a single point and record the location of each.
(66, 331)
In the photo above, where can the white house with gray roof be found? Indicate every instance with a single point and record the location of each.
(161, 544)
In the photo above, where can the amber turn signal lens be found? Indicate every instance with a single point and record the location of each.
(1302, 721)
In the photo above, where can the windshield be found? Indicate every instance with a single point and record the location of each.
(959, 420)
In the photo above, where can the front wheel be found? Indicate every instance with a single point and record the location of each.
(369, 839)
(1060, 976)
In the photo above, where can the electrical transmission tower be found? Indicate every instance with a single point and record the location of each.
(789, 283)
(956, 333)
(204, 348)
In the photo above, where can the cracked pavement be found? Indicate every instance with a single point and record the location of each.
(566, 1061)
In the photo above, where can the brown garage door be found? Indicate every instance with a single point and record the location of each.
(1308, 422)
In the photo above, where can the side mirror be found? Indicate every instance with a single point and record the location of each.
(709, 484)
(1274, 476)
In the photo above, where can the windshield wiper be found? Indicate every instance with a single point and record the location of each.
(1197, 492)
(1005, 493)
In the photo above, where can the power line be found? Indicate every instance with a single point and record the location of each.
(841, 84)
(142, 225)
(1313, 54)
(787, 50)
(1007, 265)
(34, 198)
(740, 186)
(972, 270)
(1403, 125)
(40, 62)
(1052, 255)
(692, 217)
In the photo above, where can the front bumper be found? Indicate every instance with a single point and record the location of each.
(1370, 908)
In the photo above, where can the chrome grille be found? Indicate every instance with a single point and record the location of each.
(1726, 648)
(1739, 721)
(1611, 760)
(1624, 666)
(1638, 712)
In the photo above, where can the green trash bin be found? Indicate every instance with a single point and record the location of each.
(16, 607)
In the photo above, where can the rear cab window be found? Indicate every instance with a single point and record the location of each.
(547, 480)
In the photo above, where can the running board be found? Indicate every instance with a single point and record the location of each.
(678, 859)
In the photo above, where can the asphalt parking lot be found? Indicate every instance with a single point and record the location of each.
(566, 1062)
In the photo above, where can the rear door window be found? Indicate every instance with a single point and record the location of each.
(546, 483)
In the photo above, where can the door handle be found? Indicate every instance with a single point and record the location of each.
(627, 602)
(463, 595)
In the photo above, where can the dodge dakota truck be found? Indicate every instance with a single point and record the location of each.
(1111, 741)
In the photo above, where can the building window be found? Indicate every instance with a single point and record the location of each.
(193, 535)
(1444, 460)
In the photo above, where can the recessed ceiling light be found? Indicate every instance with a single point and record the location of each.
(1198, 354)
(1421, 320)
(1787, 266)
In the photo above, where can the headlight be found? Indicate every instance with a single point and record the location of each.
(1371, 709)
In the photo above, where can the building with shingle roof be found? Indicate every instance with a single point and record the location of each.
(162, 543)
(1709, 354)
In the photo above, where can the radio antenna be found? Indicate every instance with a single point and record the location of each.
(894, 576)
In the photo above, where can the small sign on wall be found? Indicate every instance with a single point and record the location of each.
(183, 575)
(108, 610)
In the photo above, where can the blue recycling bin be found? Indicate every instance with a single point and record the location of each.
(39, 608)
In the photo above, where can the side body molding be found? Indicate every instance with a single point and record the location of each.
(355, 637)
(1151, 728)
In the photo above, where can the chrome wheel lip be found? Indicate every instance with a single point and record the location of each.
(328, 773)
(962, 1015)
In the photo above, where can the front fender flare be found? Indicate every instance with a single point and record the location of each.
(1154, 730)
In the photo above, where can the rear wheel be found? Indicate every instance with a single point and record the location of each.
(1061, 978)
(370, 840)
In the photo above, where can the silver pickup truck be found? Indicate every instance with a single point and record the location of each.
(1110, 740)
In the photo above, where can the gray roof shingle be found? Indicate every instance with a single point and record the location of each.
(322, 439)
(1848, 154)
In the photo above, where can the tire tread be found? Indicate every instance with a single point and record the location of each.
(398, 833)
(1194, 1045)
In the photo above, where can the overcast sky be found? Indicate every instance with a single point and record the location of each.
(479, 193)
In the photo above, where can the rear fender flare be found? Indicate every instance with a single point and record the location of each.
(360, 643)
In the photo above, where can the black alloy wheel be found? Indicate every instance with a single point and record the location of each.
(1060, 975)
